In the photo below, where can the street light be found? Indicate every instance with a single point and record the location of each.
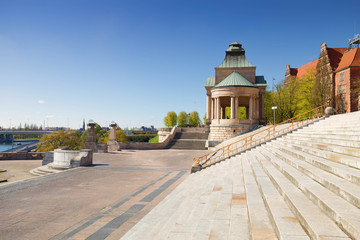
(274, 108)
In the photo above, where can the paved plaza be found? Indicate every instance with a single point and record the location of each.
(99, 202)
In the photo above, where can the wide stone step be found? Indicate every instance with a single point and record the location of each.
(339, 142)
(187, 144)
(43, 170)
(260, 223)
(317, 224)
(283, 220)
(336, 147)
(332, 160)
(340, 186)
(339, 210)
(191, 135)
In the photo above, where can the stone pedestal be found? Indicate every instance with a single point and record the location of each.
(63, 158)
(91, 138)
(112, 144)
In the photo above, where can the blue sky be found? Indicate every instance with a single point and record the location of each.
(133, 61)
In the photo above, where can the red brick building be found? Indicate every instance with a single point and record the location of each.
(343, 67)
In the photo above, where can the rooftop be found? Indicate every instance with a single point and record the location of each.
(235, 79)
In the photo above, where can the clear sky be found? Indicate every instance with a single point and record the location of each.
(133, 61)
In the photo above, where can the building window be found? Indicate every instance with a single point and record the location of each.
(341, 89)
(341, 77)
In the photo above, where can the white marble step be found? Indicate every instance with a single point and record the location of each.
(325, 156)
(283, 220)
(340, 186)
(339, 210)
(335, 147)
(312, 218)
(339, 142)
(260, 224)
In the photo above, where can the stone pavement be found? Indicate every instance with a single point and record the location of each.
(103, 201)
(17, 170)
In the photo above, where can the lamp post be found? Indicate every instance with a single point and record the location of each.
(274, 108)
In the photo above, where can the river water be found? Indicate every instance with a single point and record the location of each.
(8, 147)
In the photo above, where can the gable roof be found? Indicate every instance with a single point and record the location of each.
(299, 72)
(350, 58)
(305, 68)
(234, 80)
(335, 55)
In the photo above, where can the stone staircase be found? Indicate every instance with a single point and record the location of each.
(304, 185)
(189, 138)
(44, 170)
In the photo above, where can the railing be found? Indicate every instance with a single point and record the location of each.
(260, 137)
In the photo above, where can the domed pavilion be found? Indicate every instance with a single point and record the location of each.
(234, 88)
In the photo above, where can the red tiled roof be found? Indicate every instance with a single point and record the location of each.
(335, 55)
(350, 58)
(305, 68)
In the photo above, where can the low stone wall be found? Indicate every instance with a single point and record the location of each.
(149, 146)
(21, 155)
(224, 132)
(164, 133)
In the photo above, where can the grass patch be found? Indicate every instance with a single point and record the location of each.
(154, 139)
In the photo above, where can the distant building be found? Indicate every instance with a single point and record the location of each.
(343, 66)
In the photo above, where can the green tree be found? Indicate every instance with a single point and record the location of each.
(182, 119)
(242, 112)
(170, 119)
(69, 138)
(194, 119)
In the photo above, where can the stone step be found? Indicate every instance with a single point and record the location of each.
(260, 224)
(325, 159)
(339, 210)
(331, 131)
(191, 135)
(198, 144)
(283, 220)
(339, 142)
(336, 147)
(339, 186)
(328, 136)
(311, 217)
(43, 170)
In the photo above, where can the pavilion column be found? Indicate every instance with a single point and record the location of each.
(256, 108)
(251, 110)
(236, 107)
(232, 106)
(218, 108)
(208, 107)
(212, 108)
(221, 112)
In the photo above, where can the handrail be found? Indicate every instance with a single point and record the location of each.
(245, 143)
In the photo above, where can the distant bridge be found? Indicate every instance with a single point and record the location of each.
(6, 136)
